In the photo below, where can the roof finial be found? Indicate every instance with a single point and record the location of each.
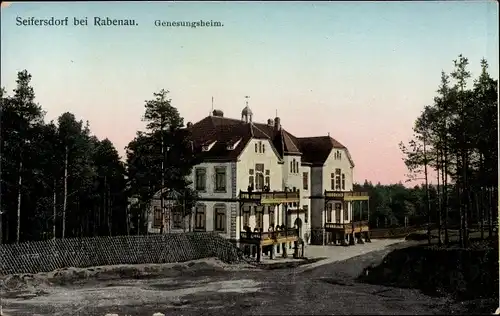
(212, 111)
(276, 113)
(328, 134)
(246, 114)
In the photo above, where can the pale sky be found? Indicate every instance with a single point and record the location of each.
(361, 71)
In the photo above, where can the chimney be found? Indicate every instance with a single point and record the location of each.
(270, 122)
(218, 113)
(277, 124)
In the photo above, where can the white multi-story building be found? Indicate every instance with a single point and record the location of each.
(240, 155)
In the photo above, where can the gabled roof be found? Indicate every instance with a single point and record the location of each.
(317, 149)
(228, 131)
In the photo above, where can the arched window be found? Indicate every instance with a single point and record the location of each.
(220, 218)
(200, 217)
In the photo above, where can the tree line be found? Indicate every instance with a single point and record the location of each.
(456, 137)
(57, 180)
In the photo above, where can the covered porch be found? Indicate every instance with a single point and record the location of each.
(270, 233)
(346, 218)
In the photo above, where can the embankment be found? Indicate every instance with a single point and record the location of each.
(464, 274)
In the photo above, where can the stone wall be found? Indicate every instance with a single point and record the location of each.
(46, 256)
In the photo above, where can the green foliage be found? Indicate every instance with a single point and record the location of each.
(33, 154)
(459, 132)
(161, 157)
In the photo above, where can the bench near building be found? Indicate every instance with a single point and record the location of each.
(263, 187)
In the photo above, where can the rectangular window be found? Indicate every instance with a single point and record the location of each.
(346, 212)
(259, 182)
(220, 219)
(268, 179)
(200, 218)
(246, 216)
(332, 181)
(343, 181)
(157, 217)
(220, 179)
(259, 217)
(263, 148)
(329, 213)
(259, 176)
(271, 216)
(177, 219)
(291, 166)
(337, 179)
(256, 147)
(306, 213)
(250, 181)
(337, 212)
(305, 181)
(201, 179)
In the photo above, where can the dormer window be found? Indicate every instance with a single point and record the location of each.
(208, 146)
(232, 145)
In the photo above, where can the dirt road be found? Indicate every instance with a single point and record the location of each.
(324, 289)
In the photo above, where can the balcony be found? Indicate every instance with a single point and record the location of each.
(277, 197)
(270, 238)
(348, 228)
(347, 196)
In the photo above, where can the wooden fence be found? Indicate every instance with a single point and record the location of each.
(46, 256)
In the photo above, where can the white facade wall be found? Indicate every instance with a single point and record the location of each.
(282, 174)
(247, 160)
(333, 162)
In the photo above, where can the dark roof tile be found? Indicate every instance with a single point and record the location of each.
(228, 131)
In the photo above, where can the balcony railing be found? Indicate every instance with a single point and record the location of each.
(347, 196)
(352, 225)
(275, 235)
(276, 197)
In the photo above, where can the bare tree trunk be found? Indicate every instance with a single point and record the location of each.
(444, 174)
(439, 204)
(19, 195)
(65, 198)
(466, 199)
(127, 219)
(428, 202)
(54, 210)
(490, 212)
(110, 214)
